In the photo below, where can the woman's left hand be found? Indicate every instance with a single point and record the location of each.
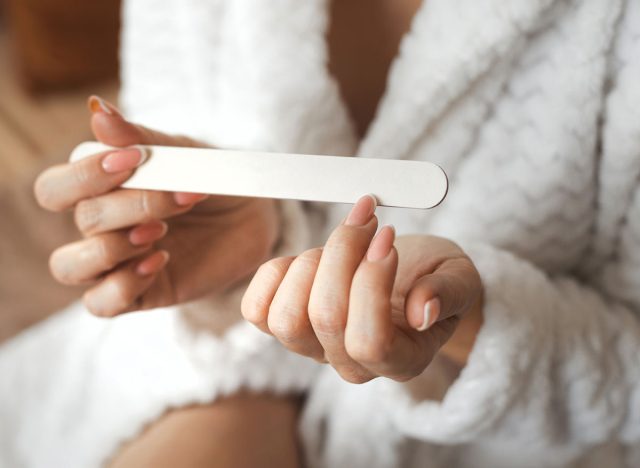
(367, 307)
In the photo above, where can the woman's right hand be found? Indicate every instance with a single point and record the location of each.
(146, 249)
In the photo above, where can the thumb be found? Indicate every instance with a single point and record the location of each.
(451, 290)
(111, 128)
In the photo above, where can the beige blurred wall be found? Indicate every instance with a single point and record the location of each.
(43, 115)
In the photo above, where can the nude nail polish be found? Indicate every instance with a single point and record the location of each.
(99, 105)
(362, 211)
(153, 263)
(431, 313)
(147, 233)
(381, 244)
(125, 159)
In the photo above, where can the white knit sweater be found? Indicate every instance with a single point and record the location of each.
(533, 109)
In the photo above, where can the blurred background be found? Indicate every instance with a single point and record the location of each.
(53, 55)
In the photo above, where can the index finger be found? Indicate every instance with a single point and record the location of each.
(61, 187)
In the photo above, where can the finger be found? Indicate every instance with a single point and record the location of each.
(261, 291)
(450, 291)
(121, 291)
(329, 299)
(60, 187)
(83, 261)
(125, 208)
(111, 128)
(288, 314)
(370, 337)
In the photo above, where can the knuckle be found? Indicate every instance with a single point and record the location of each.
(272, 270)
(354, 376)
(341, 243)
(59, 267)
(256, 302)
(106, 253)
(285, 324)
(91, 306)
(369, 350)
(309, 259)
(327, 320)
(81, 173)
(95, 306)
(88, 216)
(253, 309)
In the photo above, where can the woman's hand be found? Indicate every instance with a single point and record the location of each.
(368, 308)
(129, 235)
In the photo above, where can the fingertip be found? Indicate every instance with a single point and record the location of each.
(147, 233)
(422, 306)
(362, 211)
(262, 289)
(98, 105)
(382, 244)
(186, 199)
(153, 263)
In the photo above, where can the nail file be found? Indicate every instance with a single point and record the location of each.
(397, 183)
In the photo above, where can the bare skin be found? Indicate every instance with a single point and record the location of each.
(243, 430)
(364, 38)
(240, 431)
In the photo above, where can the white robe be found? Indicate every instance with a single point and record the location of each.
(533, 109)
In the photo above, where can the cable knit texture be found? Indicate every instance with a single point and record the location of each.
(532, 108)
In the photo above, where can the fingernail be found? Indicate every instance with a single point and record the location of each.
(125, 159)
(381, 244)
(362, 211)
(431, 313)
(147, 233)
(98, 105)
(153, 263)
(184, 199)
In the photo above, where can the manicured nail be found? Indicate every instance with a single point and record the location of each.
(99, 105)
(381, 244)
(125, 159)
(362, 211)
(431, 313)
(153, 263)
(184, 198)
(147, 233)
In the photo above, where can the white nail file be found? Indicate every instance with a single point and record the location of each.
(398, 183)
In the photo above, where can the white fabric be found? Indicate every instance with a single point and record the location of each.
(531, 106)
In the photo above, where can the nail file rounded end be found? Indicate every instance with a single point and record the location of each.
(396, 183)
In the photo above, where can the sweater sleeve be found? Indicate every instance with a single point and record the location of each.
(557, 361)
